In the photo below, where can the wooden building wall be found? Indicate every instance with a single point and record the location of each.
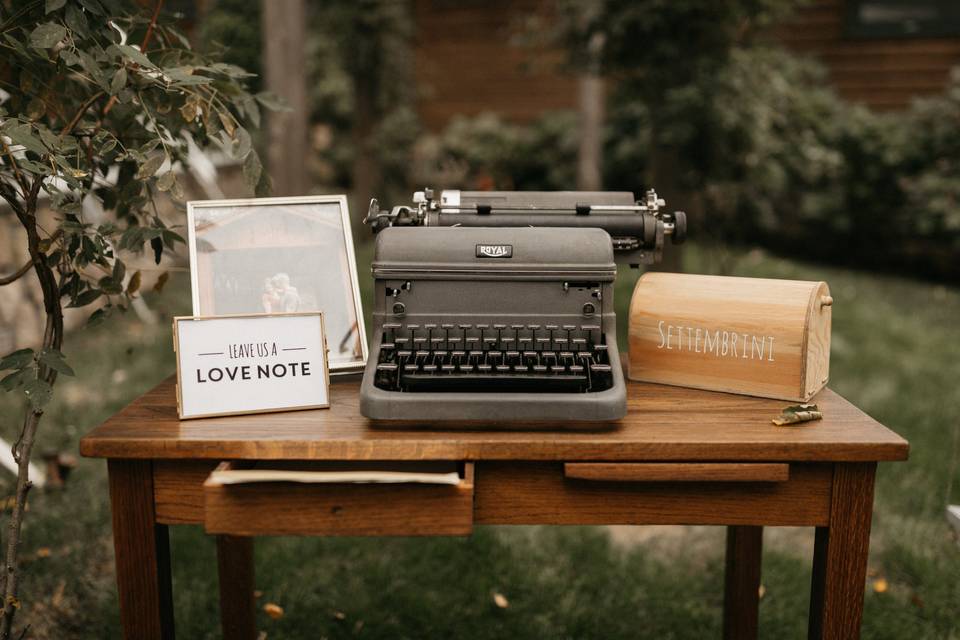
(467, 61)
(881, 73)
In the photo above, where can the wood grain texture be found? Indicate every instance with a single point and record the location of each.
(663, 424)
(142, 552)
(538, 493)
(178, 490)
(742, 335)
(741, 592)
(840, 555)
(235, 571)
(678, 471)
(290, 508)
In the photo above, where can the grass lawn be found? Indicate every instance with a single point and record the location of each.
(895, 353)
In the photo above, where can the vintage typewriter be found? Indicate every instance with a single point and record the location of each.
(496, 308)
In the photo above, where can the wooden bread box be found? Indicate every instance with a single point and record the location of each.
(754, 336)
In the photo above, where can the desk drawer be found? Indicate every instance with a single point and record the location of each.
(652, 493)
(318, 499)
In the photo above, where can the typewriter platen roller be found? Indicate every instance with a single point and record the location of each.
(494, 325)
(637, 229)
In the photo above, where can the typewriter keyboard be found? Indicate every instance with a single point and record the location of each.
(493, 357)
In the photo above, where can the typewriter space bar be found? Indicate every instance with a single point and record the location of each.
(494, 382)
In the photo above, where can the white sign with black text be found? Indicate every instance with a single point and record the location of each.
(250, 364)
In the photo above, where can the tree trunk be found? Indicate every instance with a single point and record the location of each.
(284, 66)
(23, 448)
(662, 176)
(591, 89)
(590, 156)
(366, 162)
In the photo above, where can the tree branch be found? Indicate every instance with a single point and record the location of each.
(16, 275)
(76, 118)
(151, 26)
(143, 47)
(16, 169)
(19, 273)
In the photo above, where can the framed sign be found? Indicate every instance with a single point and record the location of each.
(280, 255)
(257, 363)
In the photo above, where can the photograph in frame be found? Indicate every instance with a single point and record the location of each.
(280, 255)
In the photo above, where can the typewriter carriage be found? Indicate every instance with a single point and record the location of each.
(637, 229)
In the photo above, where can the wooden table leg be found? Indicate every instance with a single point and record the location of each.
(142, 551)
(840, 555)
(237, 606)
(741, 594)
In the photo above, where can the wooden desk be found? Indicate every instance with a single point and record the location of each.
(680, 457)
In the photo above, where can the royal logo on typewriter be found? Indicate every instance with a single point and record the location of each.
(494, 250)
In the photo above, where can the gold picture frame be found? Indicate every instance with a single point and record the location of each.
(290, 254)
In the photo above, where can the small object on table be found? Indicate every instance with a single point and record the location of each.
(754, 336)
(798, 413)
(257, 363)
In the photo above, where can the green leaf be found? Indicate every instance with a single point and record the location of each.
(47, 35)
(55, 360)
(171, 238)
(89, 64)
(176, 191)
(151, 166)
(157, 245)
(264, 188)
(85, 298)
(166, 181)
(119, 271)
(132, 238)
(242, 143)
(249, 106)
(14, 380)
(93, 7)
(16, 360)
(183, 77)
(252, 169)
(110, 286)
(119, 81)
(77, 21)
(69, 57)
(23, 134)
(53, 5)
(97, 316)
(38, 392)
(271, 101)
(135, 55)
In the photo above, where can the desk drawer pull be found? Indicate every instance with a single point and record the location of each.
(678, 471)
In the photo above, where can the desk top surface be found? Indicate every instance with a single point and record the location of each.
(663, 423)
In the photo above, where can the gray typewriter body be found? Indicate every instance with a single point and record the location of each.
(496, 326)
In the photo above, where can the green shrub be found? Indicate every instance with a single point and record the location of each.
(485, 152)
(764, 152)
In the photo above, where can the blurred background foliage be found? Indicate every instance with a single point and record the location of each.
(761, 149)
(742, 133)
